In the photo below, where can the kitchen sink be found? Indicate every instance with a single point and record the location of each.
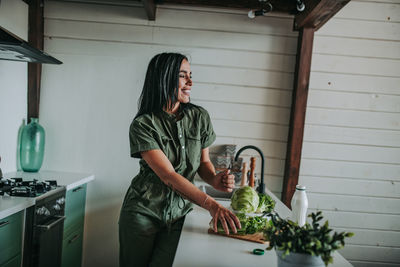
(211, 191)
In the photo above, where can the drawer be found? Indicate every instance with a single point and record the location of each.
(14, 262)
(72, 249)
(11, 236)
(74, 209)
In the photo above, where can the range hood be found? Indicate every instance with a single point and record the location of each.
(16, 49)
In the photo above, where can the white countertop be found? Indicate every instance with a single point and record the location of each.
(197, 248)
(10, 205)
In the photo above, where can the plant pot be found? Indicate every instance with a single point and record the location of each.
(299, 260)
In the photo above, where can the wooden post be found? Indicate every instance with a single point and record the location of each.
(35, 39)
(298, 113)
(150, 8)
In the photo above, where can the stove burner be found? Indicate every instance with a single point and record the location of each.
(19, 187)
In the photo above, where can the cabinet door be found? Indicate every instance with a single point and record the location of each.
(74, 209)
(72, 249)
(14, 262)
(10, 236)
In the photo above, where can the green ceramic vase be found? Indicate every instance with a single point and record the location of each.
(32, 146)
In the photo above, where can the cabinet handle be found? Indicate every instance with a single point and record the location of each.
(73, 239)
(4, 223)
(77, 189)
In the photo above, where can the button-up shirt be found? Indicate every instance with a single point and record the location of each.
(181, 140)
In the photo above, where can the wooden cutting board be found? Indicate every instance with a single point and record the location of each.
(257, 237)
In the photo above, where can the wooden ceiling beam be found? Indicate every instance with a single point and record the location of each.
(298, 113)
(317, 13)
(284, 6)
(35, 39)
(150, 8)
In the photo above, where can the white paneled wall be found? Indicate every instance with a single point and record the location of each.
(13, 84)
(243, 75)
(351, 151)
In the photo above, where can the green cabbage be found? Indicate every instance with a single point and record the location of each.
(245, 199)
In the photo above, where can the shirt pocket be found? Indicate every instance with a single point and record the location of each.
(193, 147)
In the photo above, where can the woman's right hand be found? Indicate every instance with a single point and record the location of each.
(225, 216)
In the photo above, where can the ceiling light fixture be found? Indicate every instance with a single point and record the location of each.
(300, 5)
(266, 7)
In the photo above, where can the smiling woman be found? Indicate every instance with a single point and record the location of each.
(171, 136)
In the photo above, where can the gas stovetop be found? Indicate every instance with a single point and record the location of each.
(24, 188)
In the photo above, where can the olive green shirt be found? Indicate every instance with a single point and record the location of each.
(181, 141)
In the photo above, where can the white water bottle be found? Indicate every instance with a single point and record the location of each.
(299, 205)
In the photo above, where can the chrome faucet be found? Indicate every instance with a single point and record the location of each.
(261, 187)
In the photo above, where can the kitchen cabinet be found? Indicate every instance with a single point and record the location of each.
(73, 226)
(11, 240)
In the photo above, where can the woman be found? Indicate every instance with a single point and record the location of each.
(172, 137)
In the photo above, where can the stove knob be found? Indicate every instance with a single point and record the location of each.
(40, 211)
(61, 201)
(46, 212)
(56, 207)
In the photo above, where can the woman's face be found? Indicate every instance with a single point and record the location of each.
(185, 82)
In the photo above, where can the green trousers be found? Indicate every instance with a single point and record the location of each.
(147, 242)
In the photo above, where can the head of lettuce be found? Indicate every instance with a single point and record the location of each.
(245, 199)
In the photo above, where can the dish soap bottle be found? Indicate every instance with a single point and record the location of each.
(299, 205)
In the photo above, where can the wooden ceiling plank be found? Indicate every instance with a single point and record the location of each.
(150, 8)
(298, 113)
(317, 13)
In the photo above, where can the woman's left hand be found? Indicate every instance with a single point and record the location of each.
(224, 181)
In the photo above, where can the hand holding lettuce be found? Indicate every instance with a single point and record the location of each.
(246, 200)
(250, 225)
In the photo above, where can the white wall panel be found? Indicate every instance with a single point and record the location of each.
(13, 85)
(370, 221)
(347, 135)
(356, 65)
(354, 83)
(357, 47)
(345, 169)
(351, 186)
(351, 150)
(372, 253)
(373, 237)
(242, 94)
(353, 118)
(350, 28)
(354, 101)
(386, 155)
(340, 202)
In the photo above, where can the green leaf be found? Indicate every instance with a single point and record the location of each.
(349, 234)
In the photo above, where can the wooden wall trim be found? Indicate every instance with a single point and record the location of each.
(35, 39)
(298, 113)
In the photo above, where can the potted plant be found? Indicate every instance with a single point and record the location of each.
(309, 245)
